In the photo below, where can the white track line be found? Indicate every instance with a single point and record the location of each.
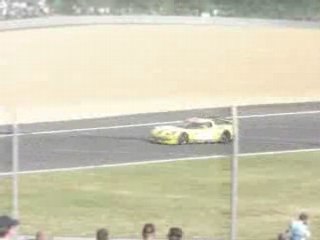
(279, 114)
(92, 129)
(151, 124)
(195, 158)
(114, 165)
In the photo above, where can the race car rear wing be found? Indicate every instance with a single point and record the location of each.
(221, 120)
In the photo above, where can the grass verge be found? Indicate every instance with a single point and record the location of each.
(193, 195)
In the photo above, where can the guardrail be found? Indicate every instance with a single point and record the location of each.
(60, 21)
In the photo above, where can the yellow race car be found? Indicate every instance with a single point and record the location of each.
(195, 130)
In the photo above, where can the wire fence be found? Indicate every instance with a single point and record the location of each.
(265, 132)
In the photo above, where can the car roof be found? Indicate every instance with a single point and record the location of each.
(199, 120)
(205, 120)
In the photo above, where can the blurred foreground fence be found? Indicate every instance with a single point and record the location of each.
(269, 133)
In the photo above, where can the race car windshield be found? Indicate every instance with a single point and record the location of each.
(195, 125)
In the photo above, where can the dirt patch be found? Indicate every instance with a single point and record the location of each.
(53, 74)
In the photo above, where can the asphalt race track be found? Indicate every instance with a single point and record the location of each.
(130, 144)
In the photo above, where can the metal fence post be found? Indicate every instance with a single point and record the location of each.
(15, 167)
(234, 175)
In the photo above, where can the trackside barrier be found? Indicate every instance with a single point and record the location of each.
(60, 21)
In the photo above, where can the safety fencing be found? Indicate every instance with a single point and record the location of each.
(274, 132)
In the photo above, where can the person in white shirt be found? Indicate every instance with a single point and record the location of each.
(299, 229)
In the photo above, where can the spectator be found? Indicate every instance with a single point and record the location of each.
(41, 236)
(283, 236)
(175, 234)
(149, 231)
(299, 229)
(8, 227)
(102, 234)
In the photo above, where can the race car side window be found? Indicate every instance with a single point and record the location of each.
(209, 125)
(220, 121)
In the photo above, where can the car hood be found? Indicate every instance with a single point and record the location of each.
(167, 130)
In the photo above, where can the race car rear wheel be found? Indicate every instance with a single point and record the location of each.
(225, 137)
(183, 139)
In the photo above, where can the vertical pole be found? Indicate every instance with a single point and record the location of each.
(234, 175)
(15, 167)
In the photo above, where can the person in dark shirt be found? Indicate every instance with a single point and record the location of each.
(102, 234)
(8, 227)
(41, 236)
(149, 231)
(175, 233)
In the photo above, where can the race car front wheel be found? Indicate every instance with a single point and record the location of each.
(183, 139)
(225, 137)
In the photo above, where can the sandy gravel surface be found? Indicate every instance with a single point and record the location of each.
(82, 72)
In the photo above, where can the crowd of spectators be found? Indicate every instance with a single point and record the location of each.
(8, 231)
(19, 9)
(16, 9)
(298, 230)
(274, 9)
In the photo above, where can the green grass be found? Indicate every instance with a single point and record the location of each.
(193, 195)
